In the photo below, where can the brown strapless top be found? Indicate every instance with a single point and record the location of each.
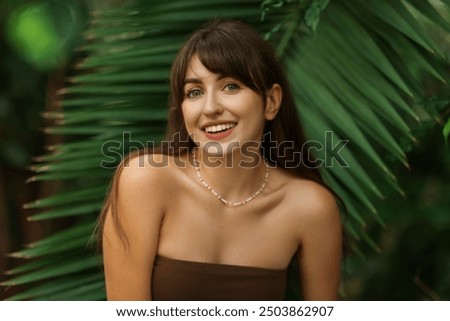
(177, 280)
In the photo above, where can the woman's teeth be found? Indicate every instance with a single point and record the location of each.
(218, 128)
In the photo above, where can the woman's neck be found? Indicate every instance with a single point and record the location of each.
(235, 176)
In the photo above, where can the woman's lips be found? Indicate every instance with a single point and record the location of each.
(219, 135)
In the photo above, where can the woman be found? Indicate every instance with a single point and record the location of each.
(220, 212)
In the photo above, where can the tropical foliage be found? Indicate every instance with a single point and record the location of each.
(413, 262)
(358, 70)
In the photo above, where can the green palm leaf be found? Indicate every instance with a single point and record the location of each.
(357, 76)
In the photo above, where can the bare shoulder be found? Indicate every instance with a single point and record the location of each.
(146, 178)
(144, 168)
(314, 197)
(311, 204)
(316, 221)
(149, 169)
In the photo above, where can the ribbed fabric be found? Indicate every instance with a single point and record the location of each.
(177, 280)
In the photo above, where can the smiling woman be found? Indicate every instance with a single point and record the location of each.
(236, 204)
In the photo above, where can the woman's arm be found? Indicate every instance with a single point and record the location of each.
(128, 263)
(321, 247)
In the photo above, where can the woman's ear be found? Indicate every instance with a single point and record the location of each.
(273, 101)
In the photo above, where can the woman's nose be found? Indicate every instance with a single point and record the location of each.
(212, 105)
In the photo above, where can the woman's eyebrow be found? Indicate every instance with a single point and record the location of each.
(199, 81)
(192, 81)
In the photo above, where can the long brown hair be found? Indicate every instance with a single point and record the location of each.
(233, 49)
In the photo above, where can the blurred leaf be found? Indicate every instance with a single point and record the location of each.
(36, 35)
(446, 130)
(312, 15)
(66, 267)
(55, 287)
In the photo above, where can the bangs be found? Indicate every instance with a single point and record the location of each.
(229, 59)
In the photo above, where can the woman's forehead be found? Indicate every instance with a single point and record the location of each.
(196, 70)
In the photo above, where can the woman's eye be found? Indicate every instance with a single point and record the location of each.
(193, 93)
(231, 87)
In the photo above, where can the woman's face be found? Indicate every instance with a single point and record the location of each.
(221, 113)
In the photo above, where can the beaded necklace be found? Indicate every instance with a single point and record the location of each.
(223, 200)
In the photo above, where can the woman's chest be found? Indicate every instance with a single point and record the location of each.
(259, 234)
